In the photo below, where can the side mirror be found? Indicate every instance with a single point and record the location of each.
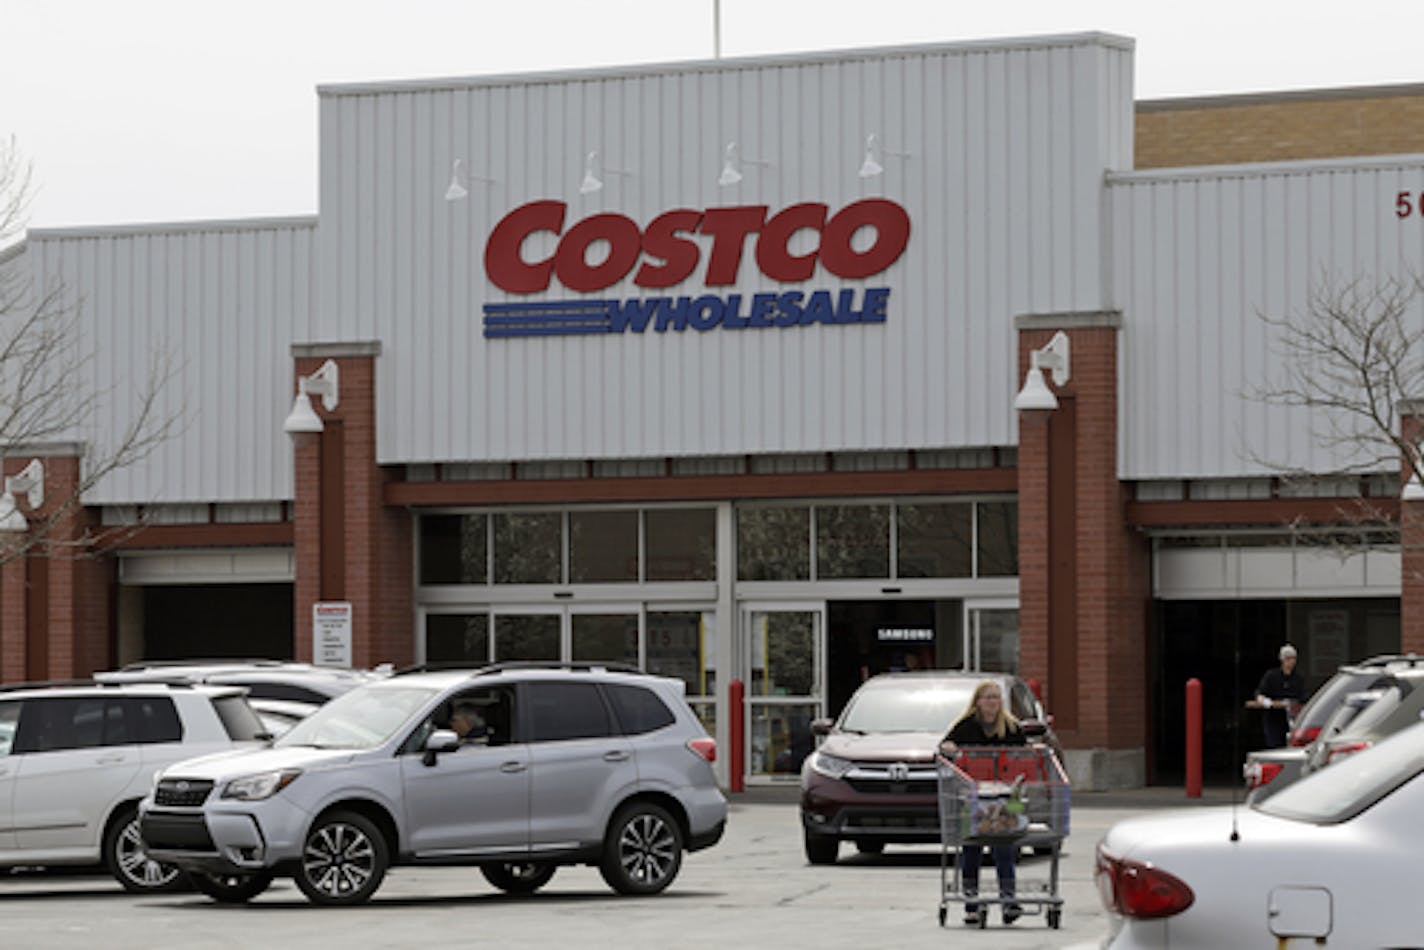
(821, 727)
(441, 740)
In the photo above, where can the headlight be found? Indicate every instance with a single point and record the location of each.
(254, 788)
(831, 766)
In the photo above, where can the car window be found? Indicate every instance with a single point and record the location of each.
(361, 719)
(149, 719)
(9, 722)
(639, 709)
(1022, 703)
(241, 723)
(1390, 699)
(1333, 795)
(923, 707)
(52, 725)
(260, 690)
(557, 711)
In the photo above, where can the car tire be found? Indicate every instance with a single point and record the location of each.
(232, 888)
(130, 864)
(821, 849)
(642, 851)
(870, 847)
(516, 877)
(344, 860)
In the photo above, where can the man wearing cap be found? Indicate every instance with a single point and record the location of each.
(1281, 687)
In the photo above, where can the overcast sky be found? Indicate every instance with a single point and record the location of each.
(171, 110)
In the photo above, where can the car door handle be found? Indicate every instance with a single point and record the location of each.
(513, 767)
(615, 756)
(109, 759)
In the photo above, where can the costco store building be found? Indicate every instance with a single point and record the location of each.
(712, 368)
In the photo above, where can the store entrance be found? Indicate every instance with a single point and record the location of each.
(865, 637)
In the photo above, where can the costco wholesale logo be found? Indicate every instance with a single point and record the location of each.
(664, 255)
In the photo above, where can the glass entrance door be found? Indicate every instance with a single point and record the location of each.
(991, 636)
(784, 660)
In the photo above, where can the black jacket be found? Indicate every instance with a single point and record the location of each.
(969, 731)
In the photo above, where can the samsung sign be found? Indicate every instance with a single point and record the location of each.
(664, 255)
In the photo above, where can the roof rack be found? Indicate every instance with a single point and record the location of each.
(62, 684)
(199, 661)
(512, 665)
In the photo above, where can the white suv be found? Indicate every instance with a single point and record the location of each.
(551, 765)
(76, 758)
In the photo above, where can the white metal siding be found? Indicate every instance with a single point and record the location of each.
(1007, 146)
(222, 301)
(1197, 256)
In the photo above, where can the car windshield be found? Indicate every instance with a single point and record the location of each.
(1333, 795)
(361, 719)
(919, 707)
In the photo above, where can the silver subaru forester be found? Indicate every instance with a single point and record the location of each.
(515, 768)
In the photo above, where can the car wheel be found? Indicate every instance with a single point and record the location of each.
(518, 878)
(130, 864)
(642, 851)
(870, 847)
(343, 860)
(821, 849)
(232, 888)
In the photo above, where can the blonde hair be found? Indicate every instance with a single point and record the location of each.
(1003, 722)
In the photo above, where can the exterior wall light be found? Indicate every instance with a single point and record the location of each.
(732, 165)
(324, 383)
(30, 483)
(593, 172)
(457, 190)
(872, 165)
(1054, 358)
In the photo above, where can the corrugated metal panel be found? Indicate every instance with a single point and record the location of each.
(1007, 143)
(222, 302)
(1197, 256)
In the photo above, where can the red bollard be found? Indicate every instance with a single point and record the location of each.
(1194, 738)
(736, 734)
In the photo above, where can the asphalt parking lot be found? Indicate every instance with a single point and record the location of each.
(755, 889)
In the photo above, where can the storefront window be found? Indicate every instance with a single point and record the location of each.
(612, 638)
(785, 654)
(527, 636)
(528, 548)
(681, 544)
(998, 538)
(781, 738)
(934, 540)
(603, 546)
(774, 544)
(852, 541)
(682, 644)
(453, 549)
(456, 638)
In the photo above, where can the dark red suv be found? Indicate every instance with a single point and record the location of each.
(872, 780)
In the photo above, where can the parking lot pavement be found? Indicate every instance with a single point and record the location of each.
(755, 889)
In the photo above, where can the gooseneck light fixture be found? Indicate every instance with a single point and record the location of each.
(874, 152)
(30, 483)
(458, 176)
(1055, 358)
(593, 172)
(325, 382)
(732, 163)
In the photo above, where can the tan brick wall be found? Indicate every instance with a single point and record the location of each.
(1287, 127)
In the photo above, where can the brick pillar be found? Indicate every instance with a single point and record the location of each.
(349, 547)
(54, 623)
(1411, 538)
(1083, 589)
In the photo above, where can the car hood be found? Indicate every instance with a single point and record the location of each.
(235, 763)
(883, 746)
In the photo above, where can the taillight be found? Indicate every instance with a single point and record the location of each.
(1137, 889)
(705, 747)
(1304, 736)
(1261, 773)
(1344, 749)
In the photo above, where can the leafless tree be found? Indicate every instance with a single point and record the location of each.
(1353, 358)
(45, 396)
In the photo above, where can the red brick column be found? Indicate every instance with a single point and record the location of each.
(349, 546)
(1411, 539)
(12, 616)
(1083, 582)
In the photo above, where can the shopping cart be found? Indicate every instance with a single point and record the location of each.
(1002, 795)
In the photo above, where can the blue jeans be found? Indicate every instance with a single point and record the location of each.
(1004, 858)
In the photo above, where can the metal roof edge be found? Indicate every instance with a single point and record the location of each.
(1409, 160)
(1088, 38)
(171, 227)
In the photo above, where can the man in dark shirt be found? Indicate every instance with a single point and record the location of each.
(1280, 688)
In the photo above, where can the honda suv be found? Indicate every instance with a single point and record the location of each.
(551, 765)
(76, 758)
(873, 780)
